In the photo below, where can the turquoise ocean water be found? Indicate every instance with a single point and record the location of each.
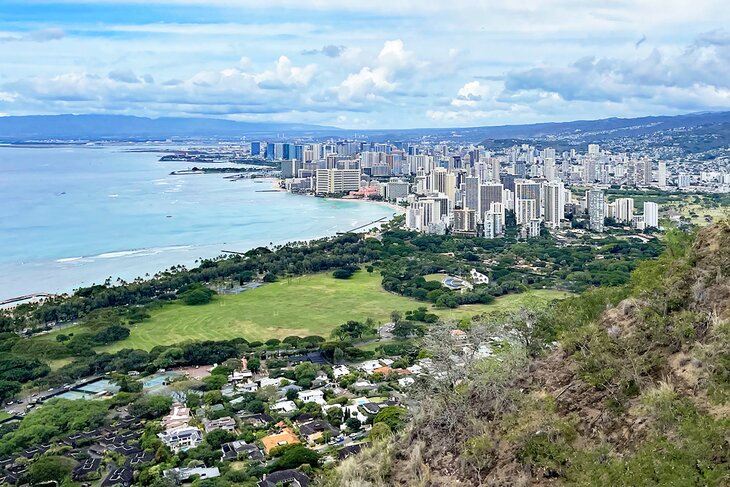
(73, 216)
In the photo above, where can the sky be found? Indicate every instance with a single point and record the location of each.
(365, 64)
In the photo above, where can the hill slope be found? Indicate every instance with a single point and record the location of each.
(636, 392)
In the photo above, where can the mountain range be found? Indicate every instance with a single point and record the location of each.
(18, 129)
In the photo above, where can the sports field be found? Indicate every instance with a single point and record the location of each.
(308, 305)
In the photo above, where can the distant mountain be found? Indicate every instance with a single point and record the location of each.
(122, 127)
(607, 128)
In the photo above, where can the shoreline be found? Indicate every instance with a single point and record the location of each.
(396, 208)
(140, 262)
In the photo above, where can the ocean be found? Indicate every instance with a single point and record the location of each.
(73, 216)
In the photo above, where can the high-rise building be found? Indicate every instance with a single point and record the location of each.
(596, 205)
(594, 149)
(624, 210)
(642, 172)
(684, 180)
(290, 168)
(651, 214)
(662, 174)
(255, 148)
(494, 221)
(331, 181)
(471, 192)
(554, 204)
(465, 222)
(489, 193)
(525, 210)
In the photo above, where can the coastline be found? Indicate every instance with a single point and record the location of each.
(276, 184)
(65, 274)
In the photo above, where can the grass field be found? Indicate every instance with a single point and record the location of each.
(308, 305)
(4, 416)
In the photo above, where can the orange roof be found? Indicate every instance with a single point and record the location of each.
(286, 437)
(383, 370)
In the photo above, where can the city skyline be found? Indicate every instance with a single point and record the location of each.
(381, 64)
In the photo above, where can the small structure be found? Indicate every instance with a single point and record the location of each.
(285, 437)
(237, 449)
(285, 478)
(179, 475)
(226, 423)
(179, 416)
(284, 407)
(316, 396)
(315, 429)
(181, 438)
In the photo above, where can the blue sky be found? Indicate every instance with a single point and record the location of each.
(358, 64)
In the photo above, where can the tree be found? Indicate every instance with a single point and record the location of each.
(254, 364)
(151, 407)
(269, 277)
(8, 389)
(353, 424)
(393, 416)
(295, 456)
(110, 334)
(215, 382)
(334, 416)
(198, 296)
(380, 431)
(50, 469)
(217, 437)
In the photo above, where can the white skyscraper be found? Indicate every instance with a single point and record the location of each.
(593, 149)
(596, 204)
(624, 209)
(662, 174)
(554, 204)
(684, 181)
(651, 214)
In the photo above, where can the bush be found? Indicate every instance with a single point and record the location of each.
(197, 296)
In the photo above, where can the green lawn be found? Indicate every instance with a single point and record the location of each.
(308, 305)
(4, 416)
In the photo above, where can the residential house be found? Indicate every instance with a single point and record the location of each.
(316, 396)
(285, 437)
(284, 407)
(256, 420)
(226, 423)
(181, 438)
(285, 478)
(121, 476)
(179, 475)
(316, 429)
(240, 449)
(179, 416)
(340, 371)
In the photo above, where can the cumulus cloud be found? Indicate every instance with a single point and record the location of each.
(370, 83)
(701, 71)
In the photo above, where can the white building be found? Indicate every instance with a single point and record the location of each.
(624, 210)
(651, 214)
(331, 181)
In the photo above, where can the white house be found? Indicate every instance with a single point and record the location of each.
(181, 438)
(312, 396)
(284, 406)
(340, 371)
(406, 381)
(267, 381)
